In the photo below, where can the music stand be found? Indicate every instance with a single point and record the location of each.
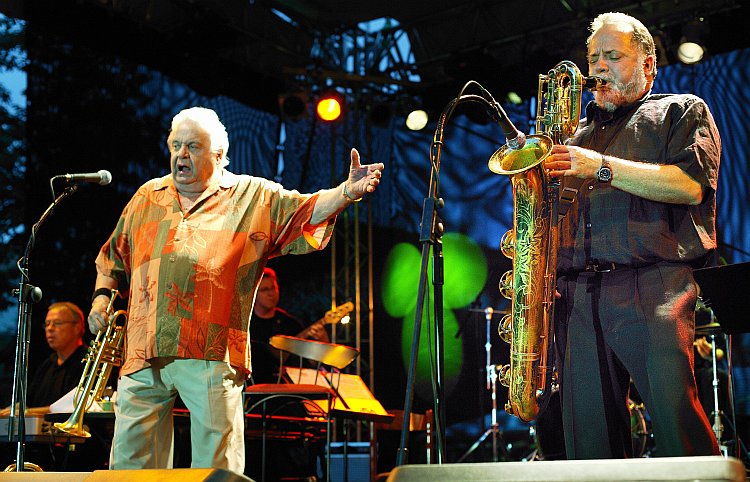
(725, 290)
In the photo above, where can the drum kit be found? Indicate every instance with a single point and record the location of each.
(546, 432)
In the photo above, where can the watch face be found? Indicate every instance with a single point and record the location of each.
(604, 174)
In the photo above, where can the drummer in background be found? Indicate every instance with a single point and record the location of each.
(269, 320)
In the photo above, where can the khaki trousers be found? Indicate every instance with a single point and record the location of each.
(211, 391)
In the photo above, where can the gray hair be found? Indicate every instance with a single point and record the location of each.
(208, 120)
(642, 39)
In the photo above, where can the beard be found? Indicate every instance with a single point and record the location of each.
(621, 93)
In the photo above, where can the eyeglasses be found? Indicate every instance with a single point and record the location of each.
(57, 323)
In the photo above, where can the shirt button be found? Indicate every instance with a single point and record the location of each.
(588, 225)
(171, 259)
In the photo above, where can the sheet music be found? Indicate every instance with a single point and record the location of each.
(358, 398)
(65, 404)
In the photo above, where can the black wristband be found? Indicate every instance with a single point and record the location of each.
(101, 291)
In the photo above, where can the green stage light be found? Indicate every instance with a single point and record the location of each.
(452, 350)
(465, 277)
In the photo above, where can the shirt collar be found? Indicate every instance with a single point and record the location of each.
(227, 181)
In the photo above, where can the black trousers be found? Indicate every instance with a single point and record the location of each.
(623, 324)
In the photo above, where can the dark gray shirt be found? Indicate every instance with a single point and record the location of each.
(607, 225)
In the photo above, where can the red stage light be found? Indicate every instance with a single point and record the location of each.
(329, 107)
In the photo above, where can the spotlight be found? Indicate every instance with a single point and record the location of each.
(330, 106)
(416, 120)
(692, 46)
(293, 106)
(512, 97)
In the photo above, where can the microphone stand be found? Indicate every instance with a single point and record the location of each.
(431, 231)
(27, 295)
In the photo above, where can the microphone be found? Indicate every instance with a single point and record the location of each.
(515, 138)
(102, 177)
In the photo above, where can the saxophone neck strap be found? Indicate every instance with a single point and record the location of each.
(568, 193)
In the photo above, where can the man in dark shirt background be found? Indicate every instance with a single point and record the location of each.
(291, 459)
(269, 320)
(61, 371)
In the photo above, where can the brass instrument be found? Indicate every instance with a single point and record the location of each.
(103, 354)
(533, 241)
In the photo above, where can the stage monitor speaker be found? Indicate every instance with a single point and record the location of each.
(143, 475)
(692, 469)
(44, 476)
(166, 475)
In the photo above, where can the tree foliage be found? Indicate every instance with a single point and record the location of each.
(12, 161)
(87, 110)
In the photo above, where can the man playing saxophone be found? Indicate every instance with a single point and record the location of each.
(647, 168)
(189, 249)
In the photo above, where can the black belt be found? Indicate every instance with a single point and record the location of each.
(604, 267)
(596, 267)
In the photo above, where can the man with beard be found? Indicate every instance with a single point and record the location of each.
(646, 166)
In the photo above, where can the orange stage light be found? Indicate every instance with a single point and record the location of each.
(329, 108)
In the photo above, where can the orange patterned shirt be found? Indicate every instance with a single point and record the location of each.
(191, 277)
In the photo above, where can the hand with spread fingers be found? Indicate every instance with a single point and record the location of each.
(363, 179)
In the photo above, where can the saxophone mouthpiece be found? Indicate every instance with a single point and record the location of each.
(593, 83)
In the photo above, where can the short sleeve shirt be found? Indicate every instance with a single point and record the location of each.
(191, 277)
(607, 225)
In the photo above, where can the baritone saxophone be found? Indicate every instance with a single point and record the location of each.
(533, 241)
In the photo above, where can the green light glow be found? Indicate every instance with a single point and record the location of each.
(465, 276)
(452, 349)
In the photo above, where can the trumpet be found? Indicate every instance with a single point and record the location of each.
(104, 354)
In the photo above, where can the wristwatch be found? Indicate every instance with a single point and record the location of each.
(604, 173)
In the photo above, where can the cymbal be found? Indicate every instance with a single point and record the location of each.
(338, 356)
(708, 329)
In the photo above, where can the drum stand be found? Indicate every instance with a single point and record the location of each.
(494, 428)
(718, 428)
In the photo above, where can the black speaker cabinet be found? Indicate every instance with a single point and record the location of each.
(689, 469)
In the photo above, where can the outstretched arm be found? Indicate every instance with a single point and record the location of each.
(362, 179)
